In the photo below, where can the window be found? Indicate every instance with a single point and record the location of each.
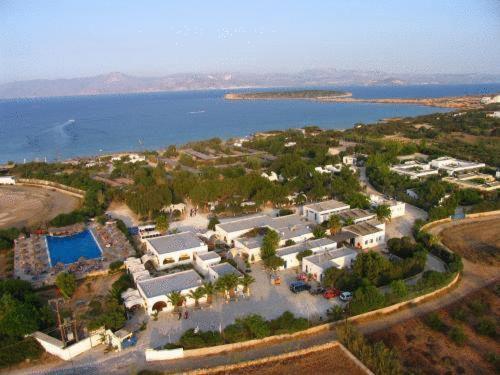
(366, 242)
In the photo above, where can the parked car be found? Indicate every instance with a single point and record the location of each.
(302, 277)
(345, 296)
(299, 286)
(331, 293)
(317, 291)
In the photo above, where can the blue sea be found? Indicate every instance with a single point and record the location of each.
(65, 127)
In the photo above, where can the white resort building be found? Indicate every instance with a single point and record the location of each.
(397, 208)
(453, 166)
(414, 169)
(366, 234)
(321, 211)
(174, 249)
(289, 253)
(318, 263)
(155, 291)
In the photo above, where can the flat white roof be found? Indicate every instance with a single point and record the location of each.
(175, 242)
(325, 206)
(306, 245)
(325, 260)
(209, 255)
(164, 285)
(222, 269)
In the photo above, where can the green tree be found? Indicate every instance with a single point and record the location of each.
(16, 318)
(319, 231)
(371, 265)
(66, 283)
(303, 254)
(399, 290)
(334, 224)
(274, 262)
(366, 298)
(270, 243)
(383, 212)
(162, 223)
(213, 222)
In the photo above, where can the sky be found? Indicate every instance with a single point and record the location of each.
(64, 39)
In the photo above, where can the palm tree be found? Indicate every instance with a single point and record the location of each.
(220, 285)
(246, 281)
(231, 281)
(197, 294)
(176, 299)
(209, 289)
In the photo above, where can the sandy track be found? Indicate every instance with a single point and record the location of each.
(31, 206)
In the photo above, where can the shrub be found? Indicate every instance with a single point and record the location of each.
(366, 298)
(66, 283)
(458, 336)
(235, 333)
(192, 340)
(115, 266)
(435, 322)
(16, 352)
(285, 212)
(335, 313)
(287, 323)
(303, 254)
(478, 306)
(486, 327)
(459, 314)
(63, 220)
(319, 231)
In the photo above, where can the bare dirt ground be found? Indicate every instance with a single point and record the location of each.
(119, 210)
(478, 242)
(329, 361)
(423, 350)
(29, 206)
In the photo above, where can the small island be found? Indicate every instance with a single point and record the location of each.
(288, 94)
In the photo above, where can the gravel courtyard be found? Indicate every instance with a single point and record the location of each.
(267, 300)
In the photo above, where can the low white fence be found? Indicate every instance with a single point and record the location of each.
(56, 347)
(161, 355)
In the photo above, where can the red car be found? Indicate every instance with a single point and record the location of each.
(331, 293)
(302, 277)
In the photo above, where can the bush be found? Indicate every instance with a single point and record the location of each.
(287, 323)
(366, 298)
(66, 283)
(192, 340)
(458, 336)
(235, 332)
(115, 266)
(435, 322)
(63, 220)
(478, 306)
(213, 222)
(16, 352)
(459, 314)
(285, 212)
(486, 327)
(335, 313)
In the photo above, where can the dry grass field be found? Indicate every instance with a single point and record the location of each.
(478, 242)
(29, 206)
(426, 346)
(329, 361)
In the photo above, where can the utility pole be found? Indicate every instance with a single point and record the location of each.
(56, 301)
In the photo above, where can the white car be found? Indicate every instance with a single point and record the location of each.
(345, 296)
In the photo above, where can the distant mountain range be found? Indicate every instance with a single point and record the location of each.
(119, 83)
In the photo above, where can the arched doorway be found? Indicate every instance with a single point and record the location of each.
(159, 306)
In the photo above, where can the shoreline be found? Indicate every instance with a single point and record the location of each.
(454, 102)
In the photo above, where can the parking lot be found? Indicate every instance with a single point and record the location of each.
(267, 300)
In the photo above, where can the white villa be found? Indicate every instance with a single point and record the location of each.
(397, 208)
(154, 291)
(289, 253)
(318, 263)
(367, 234)
(321, 211)
(357, 215)
(414, 169)
(453, 166)
(129, 158)
(290, 227)
(203, 261)
(174, 249)
(222, 269)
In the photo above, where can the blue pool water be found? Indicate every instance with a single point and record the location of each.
(71, 248)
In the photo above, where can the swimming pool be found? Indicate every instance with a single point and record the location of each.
(69, 249)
